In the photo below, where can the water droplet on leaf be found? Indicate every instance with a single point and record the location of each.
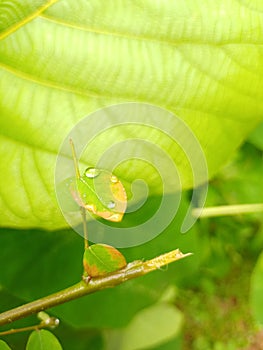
(114, 179)
(92, 172)
(111, 205)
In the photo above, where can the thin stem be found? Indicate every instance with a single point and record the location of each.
(85, 227)
(132, 270)
(24, 329)
(227, 210)
(75, 159)
(82, 210)
(46, 322)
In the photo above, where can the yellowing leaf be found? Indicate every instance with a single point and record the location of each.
(101, 259)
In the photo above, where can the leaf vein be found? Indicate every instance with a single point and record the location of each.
(28, 19)
(138, 37)
(46, 83)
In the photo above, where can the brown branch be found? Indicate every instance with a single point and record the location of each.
(132, 270)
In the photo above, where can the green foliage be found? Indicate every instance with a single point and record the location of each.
(58, 256)
(200, 60)
(223, 248)
(4, 346)
(257, 291)
(150, 327)
(218, 313)
(43, 339)
(257, 137)
(170, 55)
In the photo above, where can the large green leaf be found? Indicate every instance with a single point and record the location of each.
(61, 60)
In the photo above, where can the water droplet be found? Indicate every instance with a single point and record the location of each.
(111, 205)
(114, 179)
(92, 172)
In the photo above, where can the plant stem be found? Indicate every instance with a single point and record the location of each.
(227, 210)
(85, 227)
(75, 159)
(46, 322)
(82, 210)
(132, 270)
(24, 329)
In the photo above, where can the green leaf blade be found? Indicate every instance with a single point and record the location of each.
(43, 339)
(152, 326)
(4, 346)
